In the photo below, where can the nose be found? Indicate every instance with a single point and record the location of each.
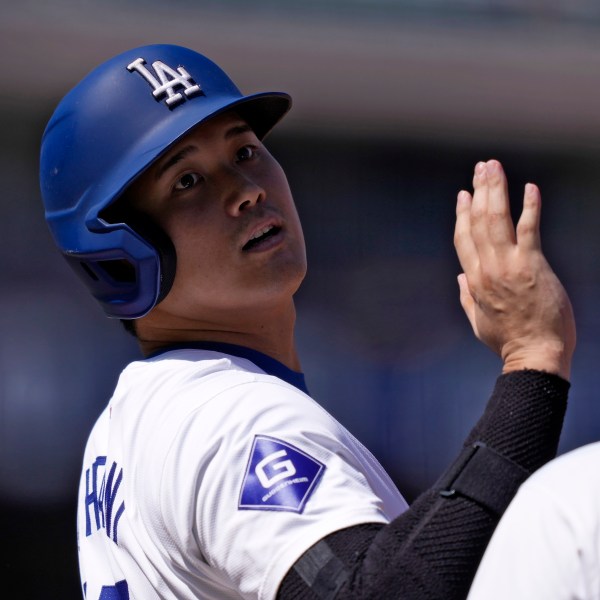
(243, 193)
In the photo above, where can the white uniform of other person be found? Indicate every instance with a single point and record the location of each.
(547, 544)
(211, 471)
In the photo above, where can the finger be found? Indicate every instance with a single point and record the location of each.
(463, 242)
(477, 172)
(500, 226)
(479, 207)
(528, 227)
(466, 300)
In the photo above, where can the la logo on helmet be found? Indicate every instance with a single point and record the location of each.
(165, 80)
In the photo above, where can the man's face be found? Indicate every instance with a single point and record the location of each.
(225, 203)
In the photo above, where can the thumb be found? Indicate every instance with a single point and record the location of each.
(466, 300)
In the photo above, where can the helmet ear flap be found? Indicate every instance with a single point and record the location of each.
(147, 229)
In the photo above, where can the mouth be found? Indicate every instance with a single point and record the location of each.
(261, 238)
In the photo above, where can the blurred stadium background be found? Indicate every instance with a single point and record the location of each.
(395, 101)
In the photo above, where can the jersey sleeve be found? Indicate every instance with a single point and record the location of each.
(268, 473)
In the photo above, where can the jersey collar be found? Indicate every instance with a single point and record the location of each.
(266, 363)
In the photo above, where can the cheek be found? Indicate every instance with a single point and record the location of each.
(198, 247)
(279, 188)
(190, 227)
(201, 274)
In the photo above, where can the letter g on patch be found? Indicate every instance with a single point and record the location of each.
(282, 469)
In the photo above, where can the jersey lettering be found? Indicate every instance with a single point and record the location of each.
(165, 80)
(101, 498)
(271, 483)
(92, 496)
(119, 591)
(110, 493)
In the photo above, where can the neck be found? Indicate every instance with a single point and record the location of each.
(270, 332)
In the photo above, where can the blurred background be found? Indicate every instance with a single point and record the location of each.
(395, 102)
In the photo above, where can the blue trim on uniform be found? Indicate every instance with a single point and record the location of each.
(266, 363)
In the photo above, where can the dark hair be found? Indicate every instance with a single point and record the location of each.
(129, 326)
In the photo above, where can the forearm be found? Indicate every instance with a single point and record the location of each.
(432, 551)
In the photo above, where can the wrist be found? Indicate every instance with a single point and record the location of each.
(549, 356)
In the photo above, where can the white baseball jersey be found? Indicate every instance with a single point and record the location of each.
(547, 544)
(210, 473)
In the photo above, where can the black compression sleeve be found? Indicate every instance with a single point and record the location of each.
(431, 551)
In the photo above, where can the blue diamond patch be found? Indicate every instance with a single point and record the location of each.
(279, 476)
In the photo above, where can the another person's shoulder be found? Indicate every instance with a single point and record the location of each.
(564, 493)
(570, 472)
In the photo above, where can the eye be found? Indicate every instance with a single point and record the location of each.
(246, 153)
(187, 181)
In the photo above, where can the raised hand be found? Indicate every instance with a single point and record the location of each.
(515, 303)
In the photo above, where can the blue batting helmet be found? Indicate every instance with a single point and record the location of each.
(112, 126)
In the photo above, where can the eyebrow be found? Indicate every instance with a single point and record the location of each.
(179, 156)
(187, 150)
(237, 130)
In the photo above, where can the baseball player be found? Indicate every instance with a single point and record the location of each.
(212, 473)
(547, 544)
